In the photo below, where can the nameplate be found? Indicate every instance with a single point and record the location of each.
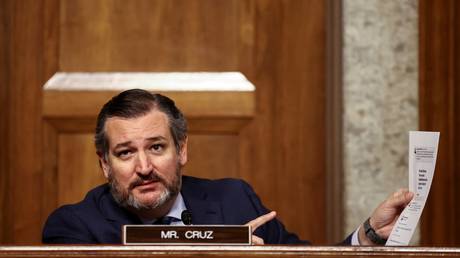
(186, 235)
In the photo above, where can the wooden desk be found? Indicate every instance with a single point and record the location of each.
(223, 251)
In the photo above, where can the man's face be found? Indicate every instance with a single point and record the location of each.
(142, 164)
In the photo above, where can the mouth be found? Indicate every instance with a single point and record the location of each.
(147, 184)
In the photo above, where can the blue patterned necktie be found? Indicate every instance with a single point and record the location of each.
(164, 221)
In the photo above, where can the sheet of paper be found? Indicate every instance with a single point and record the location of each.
(423, 149)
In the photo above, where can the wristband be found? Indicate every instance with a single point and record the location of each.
(372, 235)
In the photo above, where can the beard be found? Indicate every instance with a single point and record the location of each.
(126, 198)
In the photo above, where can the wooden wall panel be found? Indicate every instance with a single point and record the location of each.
(279, 45)
(212, 156)
(334, 122)
(4, 16)
(440, 111)
(51, 14)
(196, 104)
(78, 167)
(23, 62)
(143, 35)
(50, 146)
(282, 153)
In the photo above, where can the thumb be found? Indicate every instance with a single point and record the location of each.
(400, 198)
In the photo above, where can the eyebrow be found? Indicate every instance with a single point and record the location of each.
(123, 144)
(152, 139)
(156, 138)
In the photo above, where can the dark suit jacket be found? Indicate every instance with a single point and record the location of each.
(99, 219)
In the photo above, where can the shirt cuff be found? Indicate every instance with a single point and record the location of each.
(355, 238)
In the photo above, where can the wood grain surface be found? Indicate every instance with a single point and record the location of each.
(224, 251)
(440, 111)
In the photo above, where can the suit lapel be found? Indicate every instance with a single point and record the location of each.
(204, 211)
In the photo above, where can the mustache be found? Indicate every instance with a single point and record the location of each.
(142, 179)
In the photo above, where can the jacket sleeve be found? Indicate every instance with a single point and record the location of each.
(64, 227)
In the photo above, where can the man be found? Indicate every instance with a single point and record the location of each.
(141, 141)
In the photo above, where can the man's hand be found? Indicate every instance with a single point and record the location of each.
(259, 222)
(385, 216)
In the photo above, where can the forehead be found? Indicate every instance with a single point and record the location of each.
(153, 124)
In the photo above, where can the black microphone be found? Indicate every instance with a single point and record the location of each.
(186, 217)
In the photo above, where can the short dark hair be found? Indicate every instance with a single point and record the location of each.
(135, 103)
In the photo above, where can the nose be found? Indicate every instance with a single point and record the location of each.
(144, 165)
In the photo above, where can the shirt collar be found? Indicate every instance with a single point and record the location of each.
(177, 208)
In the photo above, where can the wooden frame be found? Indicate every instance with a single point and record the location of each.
(233, 109)
(334, 113)
(219, 251)
(439, 23)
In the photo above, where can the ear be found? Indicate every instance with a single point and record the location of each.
(104, 164)
(183, 153)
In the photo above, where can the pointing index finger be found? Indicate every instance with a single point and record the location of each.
(259, 221)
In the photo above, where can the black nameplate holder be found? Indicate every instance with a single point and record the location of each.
(186, 235)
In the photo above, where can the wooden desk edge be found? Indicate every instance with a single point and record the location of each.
(281, 249)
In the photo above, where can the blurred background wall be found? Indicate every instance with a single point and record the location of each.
(380, 100)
